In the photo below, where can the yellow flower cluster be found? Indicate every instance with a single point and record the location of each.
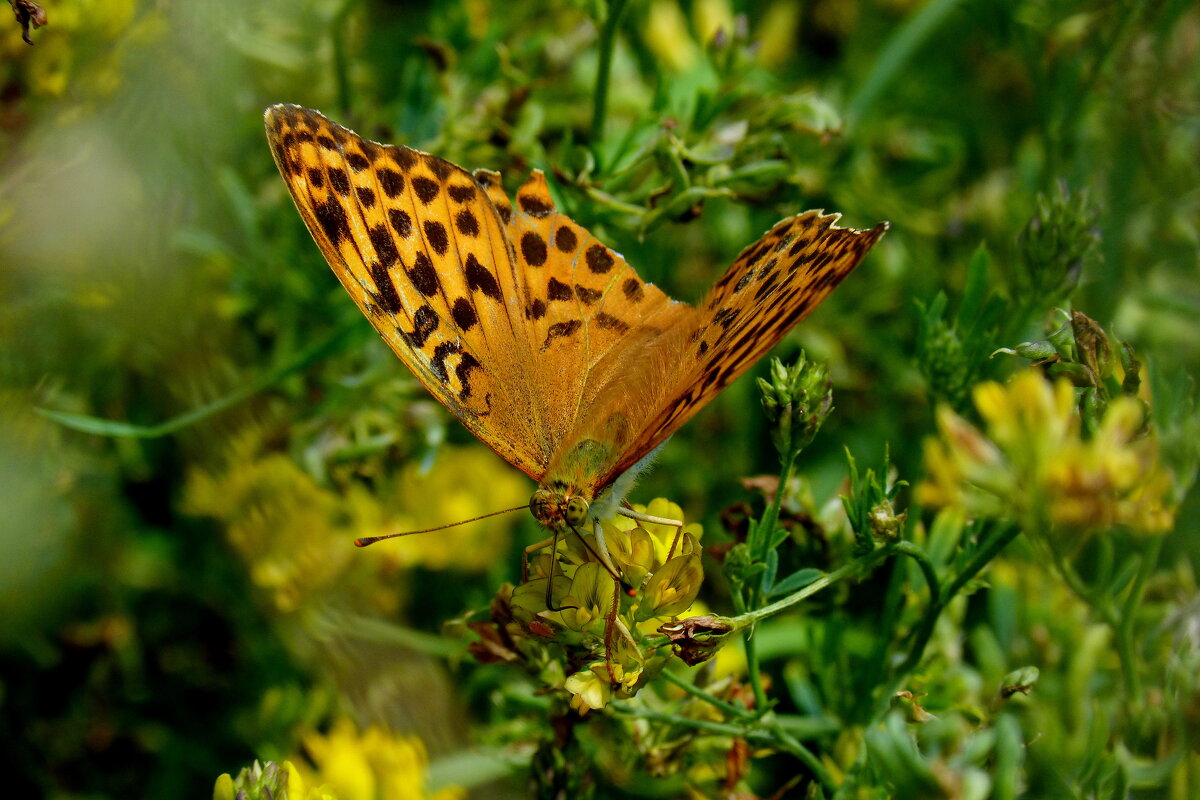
(373, 764)
(593, 639)
(344, 764)
(296, 536)
(1032, 462)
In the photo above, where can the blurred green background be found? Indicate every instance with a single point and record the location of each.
(177, 602)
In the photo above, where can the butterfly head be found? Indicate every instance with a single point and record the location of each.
(553, 508)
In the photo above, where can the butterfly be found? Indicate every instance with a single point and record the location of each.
(533, 333)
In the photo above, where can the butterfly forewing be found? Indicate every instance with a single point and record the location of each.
(422, 250)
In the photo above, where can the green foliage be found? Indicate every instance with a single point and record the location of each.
(195, 422)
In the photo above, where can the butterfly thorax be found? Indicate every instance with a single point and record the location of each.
(567, 490)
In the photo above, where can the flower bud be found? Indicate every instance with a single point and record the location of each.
(797, 400)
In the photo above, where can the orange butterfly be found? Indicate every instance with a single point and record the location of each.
(537, 336)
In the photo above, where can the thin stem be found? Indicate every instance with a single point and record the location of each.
(775, 735)
(770, 518)
(828, 579)
(695, 691)
(806, 756)
(983, 556)
(752, 668)
(1129, 614)
(940, 598)
(723, 728)
(932, 611)
(608, 40)
(761, 703)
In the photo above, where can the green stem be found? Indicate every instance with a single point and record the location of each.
(608, 41)
(695, 691)
(862, 564)
(932, 612)
(752, 663)
(1128, 615)
(776, 736)
(806, 756)
(983, 556)
(940, 598)
(765, 528)
(299, 361)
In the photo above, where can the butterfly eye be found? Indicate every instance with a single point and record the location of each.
(577, 511)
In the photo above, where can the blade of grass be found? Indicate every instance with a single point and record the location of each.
(300, 361)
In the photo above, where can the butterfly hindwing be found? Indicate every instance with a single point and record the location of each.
(585, 303)
(771, 286)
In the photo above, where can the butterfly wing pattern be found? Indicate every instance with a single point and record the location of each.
(543, 341)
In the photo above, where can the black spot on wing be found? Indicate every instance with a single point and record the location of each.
(565, 239)
(533, 249)
(426, 189)
(391, 181)
(633, 290)
(385, 290)
(465, 221)
(425, 322)
(534, 206)
(385, 247)
(333, 220)
(599, 260)
(464, 314)
(440, 354)
(609, 322)
(460, 193)
(435, 234)
(560, 330)
(480, 279)
(557, 290)
(339, 181)
(586, 295)
(401, 221)
(423, 275)
(467, 363)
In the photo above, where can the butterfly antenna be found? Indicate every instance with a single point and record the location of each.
(366, 540)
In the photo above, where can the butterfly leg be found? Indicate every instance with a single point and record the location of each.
(533, 548)
(602, 547)
(640, 517)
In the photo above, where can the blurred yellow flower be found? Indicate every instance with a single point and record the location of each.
(667, 35)
(365, 765)
(463, 482)
(1032, 462)
(296, 536)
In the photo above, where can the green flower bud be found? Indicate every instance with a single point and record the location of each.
(797, 400)
(1019, 680)
(1056, 242)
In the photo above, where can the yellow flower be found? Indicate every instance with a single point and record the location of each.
(368, 765)
(1032, 462)
(589, 688)
(424, 499)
